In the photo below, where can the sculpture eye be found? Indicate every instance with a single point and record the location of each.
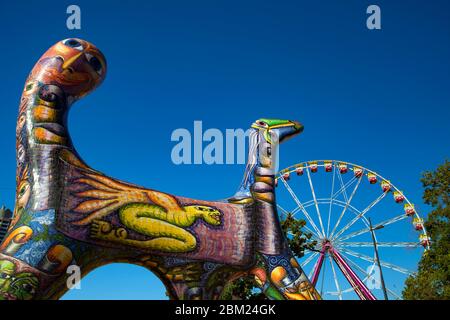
(262, 123)
(22, 191)
(4, 276)
(75, 44)
(28, 288)
(94, 63)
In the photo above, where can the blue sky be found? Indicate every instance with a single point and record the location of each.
(375, 98)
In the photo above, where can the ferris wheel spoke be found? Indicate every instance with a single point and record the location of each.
(347, 204)
(331, 200)
(336, 282)
(381, 224)
(300, 205)
(344, 186)
(315, 202)
(286, 213)
(314, 234)
(365, 273)
(304, 204)
(309, 259)
(360, 215)
(391, 220)
(283, 211)
(372, 260)
(379, 244)
(311, 272)
(297, 209)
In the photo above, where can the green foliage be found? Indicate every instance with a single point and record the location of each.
(432, 282)
(298, 241)
(243, 289)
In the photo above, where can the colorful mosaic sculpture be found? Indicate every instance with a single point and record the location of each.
(68, 214)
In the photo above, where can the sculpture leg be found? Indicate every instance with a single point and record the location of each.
(282, 268)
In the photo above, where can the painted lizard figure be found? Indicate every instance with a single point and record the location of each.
(164, 220)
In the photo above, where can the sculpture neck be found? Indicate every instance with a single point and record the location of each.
(45, 110)
(252, 162)
(41, 133)
(261, 154)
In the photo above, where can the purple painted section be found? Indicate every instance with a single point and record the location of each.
(230, 243)
(318, 266)
(361, 290)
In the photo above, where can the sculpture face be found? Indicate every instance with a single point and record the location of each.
(75, 65)
(283, 129)
(16, 286)
(23, 194)
(208, 214)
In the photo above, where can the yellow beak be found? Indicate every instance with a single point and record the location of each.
(69, 62)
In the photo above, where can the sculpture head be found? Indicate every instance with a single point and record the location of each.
(16, 286)
(283, 129)
(208, 214)
(76, 66)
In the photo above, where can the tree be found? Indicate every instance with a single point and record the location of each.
(432, 281)
(298, 241)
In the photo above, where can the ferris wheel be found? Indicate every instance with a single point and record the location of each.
(365, 236)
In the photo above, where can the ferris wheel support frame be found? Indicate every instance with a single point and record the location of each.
(357, 284)
(318, 266)
(360, 288)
